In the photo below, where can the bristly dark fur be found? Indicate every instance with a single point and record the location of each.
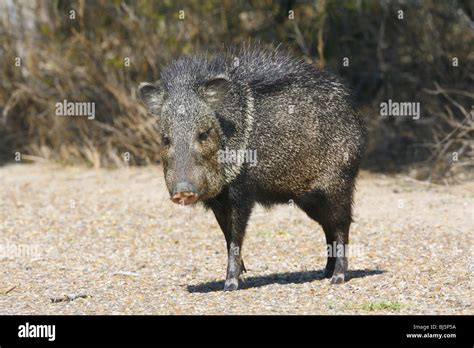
(298, 118)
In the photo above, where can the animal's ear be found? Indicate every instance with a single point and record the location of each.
(215, 89)
(151, 94)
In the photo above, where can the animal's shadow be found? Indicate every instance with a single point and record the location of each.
(279, 278)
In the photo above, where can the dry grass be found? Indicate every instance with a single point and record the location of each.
(84, 60)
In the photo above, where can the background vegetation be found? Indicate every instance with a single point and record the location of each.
(84, 59)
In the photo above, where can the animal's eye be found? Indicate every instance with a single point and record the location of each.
(204, 135)
(165, 140)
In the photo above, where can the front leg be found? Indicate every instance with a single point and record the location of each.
(232, 214)
(239, 217)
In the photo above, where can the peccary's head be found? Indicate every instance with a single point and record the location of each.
(186, 102)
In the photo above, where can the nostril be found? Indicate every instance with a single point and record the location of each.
(184, 198)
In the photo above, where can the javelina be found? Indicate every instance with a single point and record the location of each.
(296, 117)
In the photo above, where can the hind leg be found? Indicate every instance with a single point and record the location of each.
(337, 240)
(334, 215)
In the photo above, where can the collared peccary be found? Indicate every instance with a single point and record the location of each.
(297, 119)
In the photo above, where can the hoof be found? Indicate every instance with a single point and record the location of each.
(337, 278)
(231, 285)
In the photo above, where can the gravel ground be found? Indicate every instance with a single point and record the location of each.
(83, 241)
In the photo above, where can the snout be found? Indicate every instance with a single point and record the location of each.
(184, 194)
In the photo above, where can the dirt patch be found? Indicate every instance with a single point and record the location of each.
(115, 236)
